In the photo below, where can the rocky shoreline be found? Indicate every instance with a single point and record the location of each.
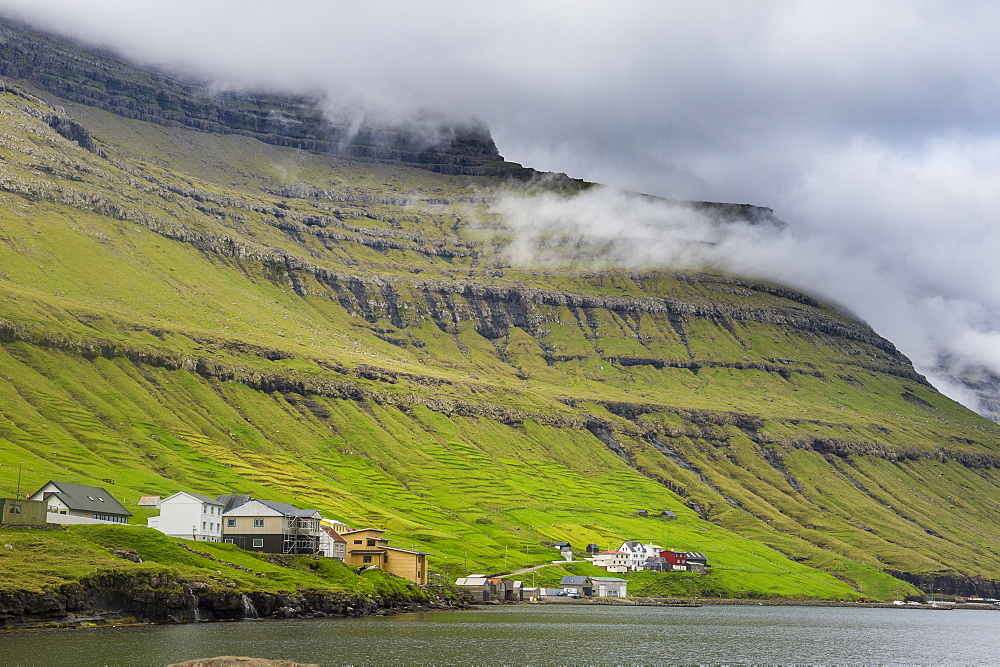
(78, 606)
(748, 602)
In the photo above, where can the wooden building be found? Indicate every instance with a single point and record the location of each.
(369, 548)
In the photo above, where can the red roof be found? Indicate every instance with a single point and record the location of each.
(337, 537)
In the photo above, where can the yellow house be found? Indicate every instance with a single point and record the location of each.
(368, 548)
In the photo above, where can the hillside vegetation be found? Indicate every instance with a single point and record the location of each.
(193, 310)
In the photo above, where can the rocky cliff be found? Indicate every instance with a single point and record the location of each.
(106, 81)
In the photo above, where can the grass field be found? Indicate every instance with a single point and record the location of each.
(208, 313)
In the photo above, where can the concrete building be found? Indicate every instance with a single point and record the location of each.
(19, 512)
(610, 587)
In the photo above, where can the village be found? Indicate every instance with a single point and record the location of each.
(271, 527)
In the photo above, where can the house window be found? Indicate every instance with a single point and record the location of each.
(231, 523)
(357, 541)
(204, 526)
(229, 540)
(366, 559)
(258, 523)
(258, 543)
(371, 543)
(15, 509)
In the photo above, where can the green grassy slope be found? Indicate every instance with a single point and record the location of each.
(185, 310)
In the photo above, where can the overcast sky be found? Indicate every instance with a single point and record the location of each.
(872, 128)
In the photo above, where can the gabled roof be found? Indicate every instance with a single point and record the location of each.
(82, 498)
(574, 581)
(257, 507)
(148, 501)
(472, 581)
(208, 500)
(694, 555)
(613, 553)
(608, 579)
(364, 530)
(334, 535)
(288, 510)
(232, 500)
(407, 551)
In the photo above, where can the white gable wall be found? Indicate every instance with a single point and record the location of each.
(186, 517)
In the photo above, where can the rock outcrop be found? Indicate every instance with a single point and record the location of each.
(119, 597)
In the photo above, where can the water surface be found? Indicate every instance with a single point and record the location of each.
(548, 634)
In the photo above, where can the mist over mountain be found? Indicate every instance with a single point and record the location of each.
(867, 128)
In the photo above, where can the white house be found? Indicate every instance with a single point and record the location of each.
(93, 503)
(189, 516)
(638, 553)
(612, 561)
(331, 543)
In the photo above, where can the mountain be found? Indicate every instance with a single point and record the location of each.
(219, 292)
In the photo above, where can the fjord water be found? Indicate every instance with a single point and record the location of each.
(552, 634)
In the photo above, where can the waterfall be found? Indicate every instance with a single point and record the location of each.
(194, 601)
(249, 611)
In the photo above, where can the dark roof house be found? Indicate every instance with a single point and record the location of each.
(92, 502)
(577, 585)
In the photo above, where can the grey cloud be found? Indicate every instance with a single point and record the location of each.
(869, 126)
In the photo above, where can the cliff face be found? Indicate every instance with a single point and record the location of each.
(200, 314)
(108, 82)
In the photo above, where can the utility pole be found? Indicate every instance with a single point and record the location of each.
(21, 463)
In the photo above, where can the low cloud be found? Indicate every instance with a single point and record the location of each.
(869, 127)
(907, 287)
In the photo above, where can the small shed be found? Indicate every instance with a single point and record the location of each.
(479, 586)
(657, 564)
(593, 549)
(643, 513)
(20, 512)
(667, 514)
(696, 562)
